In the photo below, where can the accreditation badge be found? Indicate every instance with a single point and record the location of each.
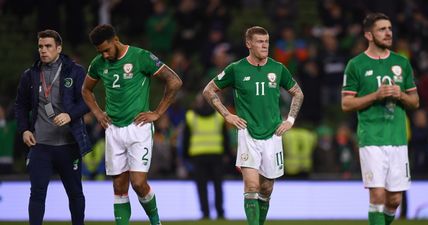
(49, 110)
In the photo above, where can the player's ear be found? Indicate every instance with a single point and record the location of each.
(247, 43)
(368, 35)
(59, 48)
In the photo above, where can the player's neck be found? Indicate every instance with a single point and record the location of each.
(123, 49)
(377, 53)
(255, 61)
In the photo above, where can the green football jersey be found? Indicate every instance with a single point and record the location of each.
(384, 122)
(126, 82)
(257, 93)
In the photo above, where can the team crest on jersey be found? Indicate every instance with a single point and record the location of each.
(127, 68)
(397, 71)
(68, 82)
(272, 80)
(244, 156)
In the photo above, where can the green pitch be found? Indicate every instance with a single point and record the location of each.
(234, 222)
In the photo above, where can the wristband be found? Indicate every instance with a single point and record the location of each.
(291, 120)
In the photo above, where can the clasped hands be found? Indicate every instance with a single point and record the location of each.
(389, 91)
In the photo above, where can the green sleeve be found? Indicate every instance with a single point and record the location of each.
(287, 80)
(93, 69)
(350, 78)
(150, 63)
(225, 78)
(409, 81)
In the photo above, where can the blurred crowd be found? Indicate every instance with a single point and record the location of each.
(197, 39)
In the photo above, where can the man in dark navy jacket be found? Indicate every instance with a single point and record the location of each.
(49, 109)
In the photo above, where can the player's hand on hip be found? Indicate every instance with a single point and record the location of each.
(28, 138)
(62, 119)
(146, 117)
(237, 121)
(103, 119)
(284, 127)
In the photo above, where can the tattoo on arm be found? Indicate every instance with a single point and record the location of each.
(212, 98)
(296, 101)
(172, 85)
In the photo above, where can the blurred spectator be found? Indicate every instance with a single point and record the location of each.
(419, 142)
(310, 78)
(332, 16)
(418, 24)
(402, 47)
(289, 49)
(163, 154)
(189, 26)
(176, 112)
(216, 36)
(93, 164)
(176, 116)
(129, 16)
(299, 144)
(423, 90)
(325, 155)
(206, 145)
(95, 130)
(7, 134)
(104, 10)
(181, 63)
(283, 12)
(347, 153)
(160, 29)
(333, 63)
(359, 46)
(216, 14)
(220, 58)
(353, 35)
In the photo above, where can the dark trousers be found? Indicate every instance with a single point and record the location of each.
(43, 161)
(205, 168)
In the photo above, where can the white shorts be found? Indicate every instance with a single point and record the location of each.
(264, 155)
(385, 166)
(128, 148)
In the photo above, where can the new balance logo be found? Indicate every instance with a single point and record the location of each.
(247, 78)
(368, 73)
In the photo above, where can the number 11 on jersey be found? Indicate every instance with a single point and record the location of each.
(262, 87)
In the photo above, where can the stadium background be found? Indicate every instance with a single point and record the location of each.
(314, 39)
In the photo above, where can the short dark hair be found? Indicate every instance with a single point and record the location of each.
(50, 34)
(101, 33)
(372, 18)
(255, 30)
